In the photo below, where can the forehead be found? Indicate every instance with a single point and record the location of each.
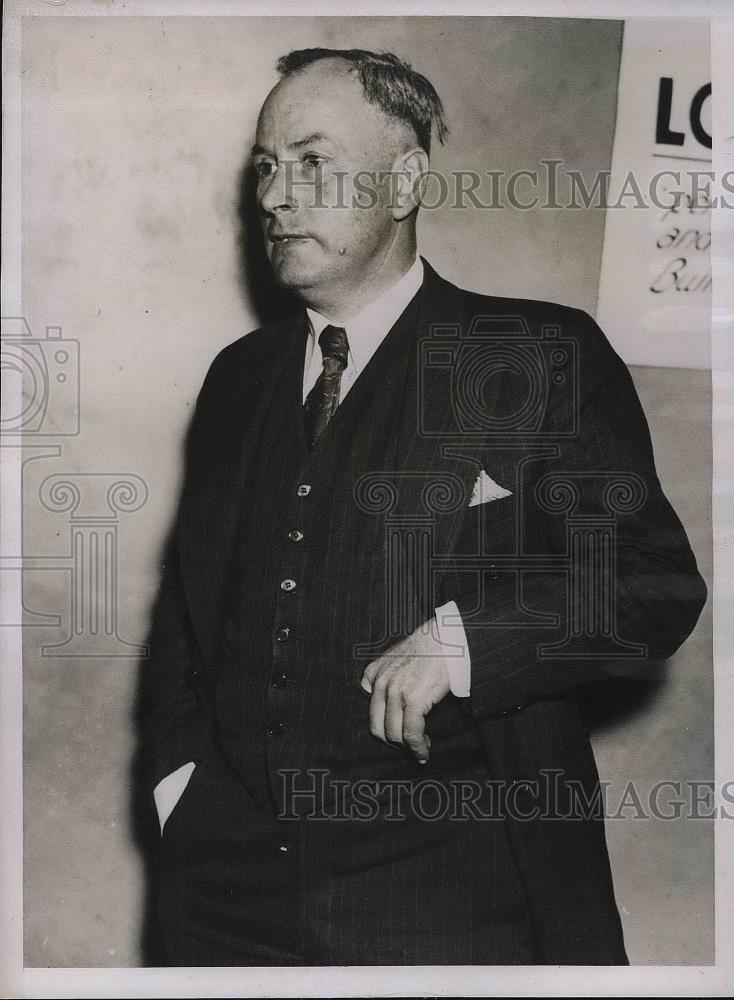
(325, 99)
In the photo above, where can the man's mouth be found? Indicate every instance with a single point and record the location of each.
(286, 239)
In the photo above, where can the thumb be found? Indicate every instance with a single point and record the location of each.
(368, 676)
(414, 734)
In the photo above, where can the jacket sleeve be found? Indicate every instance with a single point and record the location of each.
(656, 590)
(175, 730)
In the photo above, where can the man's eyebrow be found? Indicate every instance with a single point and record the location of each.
(258, 150)
(309, 139)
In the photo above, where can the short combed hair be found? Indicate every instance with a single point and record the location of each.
(388, 82)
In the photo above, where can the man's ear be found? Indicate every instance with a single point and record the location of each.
(409, 169)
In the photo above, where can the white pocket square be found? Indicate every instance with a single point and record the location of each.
(486, 489)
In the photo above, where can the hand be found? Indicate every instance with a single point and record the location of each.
(405, 684)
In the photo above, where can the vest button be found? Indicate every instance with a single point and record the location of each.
(279, 680)
(282, 634)
(287, 584)
(275, 727)
(295, 536)
(303, 490)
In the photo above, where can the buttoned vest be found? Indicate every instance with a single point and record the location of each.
(316, 588)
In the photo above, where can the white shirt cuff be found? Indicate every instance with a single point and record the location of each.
(170, 789)
(452, 637)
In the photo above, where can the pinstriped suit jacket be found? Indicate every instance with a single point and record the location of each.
(532, 393)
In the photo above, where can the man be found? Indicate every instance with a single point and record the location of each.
(365, 745)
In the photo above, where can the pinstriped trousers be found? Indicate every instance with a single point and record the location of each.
(239, 886)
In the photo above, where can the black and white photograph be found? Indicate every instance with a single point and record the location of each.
(366, 513)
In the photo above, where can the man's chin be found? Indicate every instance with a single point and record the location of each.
(293, 277)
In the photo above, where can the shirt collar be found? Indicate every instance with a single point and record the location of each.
(367, 328)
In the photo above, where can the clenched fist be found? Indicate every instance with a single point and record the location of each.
(405, 684)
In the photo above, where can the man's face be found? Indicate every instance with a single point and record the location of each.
(315, 133)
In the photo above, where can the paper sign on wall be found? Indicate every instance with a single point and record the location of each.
(655, 284)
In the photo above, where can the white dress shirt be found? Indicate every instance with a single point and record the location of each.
(365, 332)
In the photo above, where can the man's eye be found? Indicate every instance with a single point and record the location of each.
(313, 160)
(264, 168)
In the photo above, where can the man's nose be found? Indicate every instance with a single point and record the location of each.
(276, 191)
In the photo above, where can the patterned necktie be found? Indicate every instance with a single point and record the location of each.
(322, 401)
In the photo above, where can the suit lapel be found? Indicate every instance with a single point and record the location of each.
(435, 480)
(439, 455)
